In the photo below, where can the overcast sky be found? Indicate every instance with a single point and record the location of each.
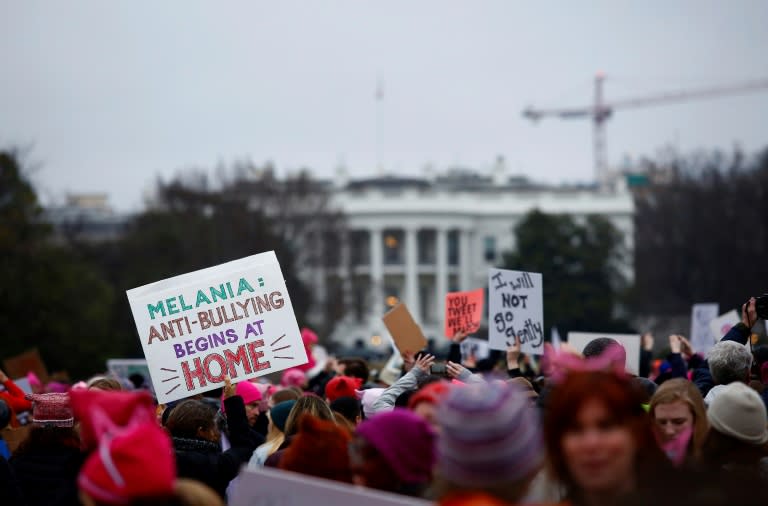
(109, 94)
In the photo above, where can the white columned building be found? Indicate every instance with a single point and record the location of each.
(414, 240)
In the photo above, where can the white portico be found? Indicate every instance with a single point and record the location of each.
(414, 240)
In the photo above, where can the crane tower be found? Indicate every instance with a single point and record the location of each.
(600, 111)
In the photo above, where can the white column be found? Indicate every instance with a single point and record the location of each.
(345, 272)
(442, 274)
(412, 274)
(465, 259)
(377, 273)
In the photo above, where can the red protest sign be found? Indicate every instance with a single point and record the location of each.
(463, 312)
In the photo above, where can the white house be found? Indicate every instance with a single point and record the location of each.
(413, 240)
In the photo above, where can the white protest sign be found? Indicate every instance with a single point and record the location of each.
(630, 342)
(702, 338)
(124, 367)
(23, 383)
(474, 347)
(516, 308)
(235, 318)
(271, 487)
(723, 323)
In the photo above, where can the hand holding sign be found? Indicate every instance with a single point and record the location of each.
(513, 353)
(425, 363)
(463, 312)
(229, 388)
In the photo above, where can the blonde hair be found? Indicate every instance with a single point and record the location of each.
(104, 383)
(682, 390)
(275, 437)
(311, 404)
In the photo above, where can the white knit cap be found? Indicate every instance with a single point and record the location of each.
(739, 412)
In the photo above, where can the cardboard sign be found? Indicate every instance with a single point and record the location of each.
(234, 319)
(630, 342)
(271, 487)
(723, 323)
(15, 436)
(463, 312)
(19, 365)
(404, 330)
(475, 348)
(516, 308)
(702, 338)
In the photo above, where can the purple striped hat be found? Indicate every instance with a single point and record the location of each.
(490, 434)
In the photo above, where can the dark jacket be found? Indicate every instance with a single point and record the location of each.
(9, 486)
(49, 477)
(203, 460)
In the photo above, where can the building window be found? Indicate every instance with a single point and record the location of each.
(427, 243)
(361, 289)
(453, 247)
(393, 290)
(453, 283)
(394, 251)
(360, 247)
(427, 298)
(489, 247)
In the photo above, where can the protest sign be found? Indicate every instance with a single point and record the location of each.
(271, 487)
(555, 338)
(125, 367)
(723, 323)
(24, 384)
(630, 342)
(233, 319)
(463, 312)
(516, 308)
(474, 348)
(702, 338)
(19, 365)
(404, 330)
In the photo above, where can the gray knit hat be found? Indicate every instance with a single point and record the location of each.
(490, 434)
(739, 412)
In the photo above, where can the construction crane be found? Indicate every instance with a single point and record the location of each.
(600, 111)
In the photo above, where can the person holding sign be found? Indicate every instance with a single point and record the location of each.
(196, 440)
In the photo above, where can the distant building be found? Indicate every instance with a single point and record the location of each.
(411, 239)
(87, 217)
(415, 239)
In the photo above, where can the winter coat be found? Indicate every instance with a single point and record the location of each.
(386, 402)
(203, 460)
(9, 486)
(702, 377)
(48, 477)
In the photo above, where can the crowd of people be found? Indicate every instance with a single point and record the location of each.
(572, 429)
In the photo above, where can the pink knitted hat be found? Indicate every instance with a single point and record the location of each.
(405, 441)
(51, 409)
(248, 391)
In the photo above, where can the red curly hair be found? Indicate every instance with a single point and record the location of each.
(622, 400)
